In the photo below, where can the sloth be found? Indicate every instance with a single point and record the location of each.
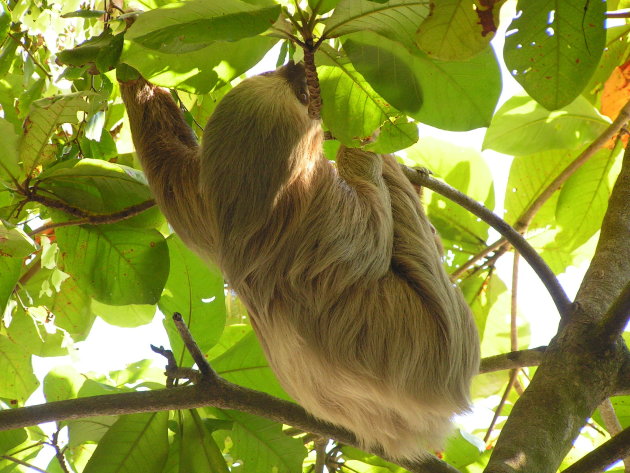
(336, 263)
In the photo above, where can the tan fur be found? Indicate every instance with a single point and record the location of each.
(337, 265)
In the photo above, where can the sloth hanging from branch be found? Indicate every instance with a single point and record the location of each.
(337, 264)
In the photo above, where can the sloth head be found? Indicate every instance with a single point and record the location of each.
(265, 115)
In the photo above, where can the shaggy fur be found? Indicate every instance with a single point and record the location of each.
(337, 266)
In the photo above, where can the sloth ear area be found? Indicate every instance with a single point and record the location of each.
(295, 75)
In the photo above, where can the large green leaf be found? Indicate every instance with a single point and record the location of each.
(201, 70)
(353, 111)
(195, 290)
(245, 364)
(529, 176)
(183, 27)
(453, 96)
(193, 448)
(9, 167)
(103, 50)
(62, 382)
(17, 380)
(135, 443)
(45, 115)
(583, 200)
(129, 315)
(116, 264)
(261, 445)
(100, 187)
(28, 329)
(15, 245)
(521, 126)
(458, 29)
(553, 47)
(396, 19)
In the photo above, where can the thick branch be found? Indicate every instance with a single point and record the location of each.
(218, 393)
(579, 369)
(603, 456)
(516, 239)
(609, 271)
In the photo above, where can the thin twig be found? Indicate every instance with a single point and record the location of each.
(482, 254)
(497, 412)
(28, 52)
(23, 463)
(59, 452)
(541, 268)
(603, 456)
(88, 218)
(202, 363)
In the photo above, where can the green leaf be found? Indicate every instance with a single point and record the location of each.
(62, 382)
(397, 20)
(14, 242)
(245, 364)
(261, 445)
(482, 290)
(101, 188)
(322, 6)
(201, 70)
(103, 50)
(28, 329)
(184, 27)
(135, 443)
(195, 290)
(357, 460)
(198, 451)
(72, 308)
(9, 439)
(521, 126)
(45, 115)
(17, 381)
(130, 315)
(458, 29)
(453, 96)
(553, 47)
(10, 270)
(353, 111)
(616, 52)
(583, 200)
(104, 148)
(116, 264)
(462, 449)
(9, 168)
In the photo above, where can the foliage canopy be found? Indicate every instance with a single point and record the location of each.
(80, 237)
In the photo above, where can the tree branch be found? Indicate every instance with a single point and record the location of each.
(516, 239)
(512, 360)
(603, 456)
(219, 393)
(86, 217)
(553, 409)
